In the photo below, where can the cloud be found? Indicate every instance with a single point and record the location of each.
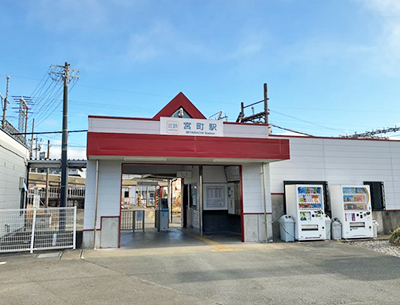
(380, 54)
(164, 41)
(159, 42)
(66, 15)
(386, 47)
(252, 43)
(77, 153)
(143, 47)
(73, 152)
(316, 50)
(388, 8)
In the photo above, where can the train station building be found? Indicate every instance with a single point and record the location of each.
(232, 175)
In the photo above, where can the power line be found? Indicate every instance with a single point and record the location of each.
(308, 122)
(53, 105)
(41, 81)
(50, 96)
(51, 108)
(49, 132)
(373, 133)
(291, 130)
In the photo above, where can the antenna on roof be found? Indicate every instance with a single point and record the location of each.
(219, 116)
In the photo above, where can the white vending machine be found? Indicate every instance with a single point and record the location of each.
(305, 203)
(351, 204)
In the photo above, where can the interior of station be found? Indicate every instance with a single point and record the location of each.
(172, 205)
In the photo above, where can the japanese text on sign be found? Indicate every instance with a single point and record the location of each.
(191, 127)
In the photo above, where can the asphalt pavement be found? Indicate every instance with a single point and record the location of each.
(214, 273)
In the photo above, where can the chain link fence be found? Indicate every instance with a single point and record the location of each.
(37, 229)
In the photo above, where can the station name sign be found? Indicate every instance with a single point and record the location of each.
(191, 127)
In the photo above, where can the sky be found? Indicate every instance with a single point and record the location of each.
(332, 66)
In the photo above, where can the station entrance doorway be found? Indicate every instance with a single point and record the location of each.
(173, 205)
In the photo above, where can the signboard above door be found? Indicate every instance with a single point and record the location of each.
(191, 127)
(184, 174)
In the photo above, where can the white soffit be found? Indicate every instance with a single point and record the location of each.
(189, 161)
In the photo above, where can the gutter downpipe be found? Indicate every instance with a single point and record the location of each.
(265, 202)
(96, 195)
(201, 198)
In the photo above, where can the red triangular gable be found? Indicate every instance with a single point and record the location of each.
(177, 102)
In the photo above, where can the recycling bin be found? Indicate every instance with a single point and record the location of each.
(328, 230)
(336, 229)
(286, 225)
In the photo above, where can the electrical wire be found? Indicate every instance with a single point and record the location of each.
(291, 130)
(47, 132)
(53, 107)
(40, 100)
(50, 109)
(308, 122)
(41, 81)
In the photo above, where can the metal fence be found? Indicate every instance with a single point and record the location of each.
(37, 229)
(54, 192)
(132, 220)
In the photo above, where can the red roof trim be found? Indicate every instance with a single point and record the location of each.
(332, 138)
(179, 101)
(244, 123)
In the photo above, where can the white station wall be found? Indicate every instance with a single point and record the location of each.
(214, 175)
(109, 192)
(341, 161)
(253, 202)
(254, 205)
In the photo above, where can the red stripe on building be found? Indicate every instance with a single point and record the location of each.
(140, 145)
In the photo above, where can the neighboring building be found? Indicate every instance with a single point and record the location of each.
(13, 172)
(72, 172)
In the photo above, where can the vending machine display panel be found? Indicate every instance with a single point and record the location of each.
(352, 206)
(305, 203)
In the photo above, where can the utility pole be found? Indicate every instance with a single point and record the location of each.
(266, 103)
(47, 175)
(26, 125)
(66, 73)
(36, 148)
(5, 103)
(31, 148)
(64, 157)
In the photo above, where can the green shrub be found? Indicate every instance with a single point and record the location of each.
(395, 236)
